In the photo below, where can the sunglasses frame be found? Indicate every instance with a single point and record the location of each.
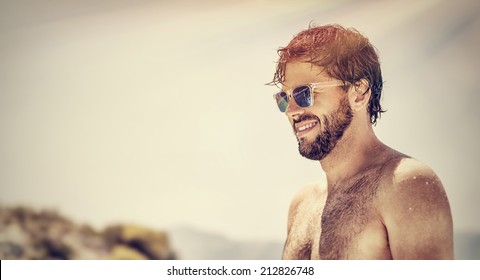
(312, 87)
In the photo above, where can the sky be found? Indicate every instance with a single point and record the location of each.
(157, 113)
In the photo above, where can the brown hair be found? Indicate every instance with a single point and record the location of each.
(345, 54)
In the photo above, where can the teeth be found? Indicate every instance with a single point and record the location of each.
(307, 126)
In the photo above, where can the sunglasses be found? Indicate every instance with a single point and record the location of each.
(302, 94)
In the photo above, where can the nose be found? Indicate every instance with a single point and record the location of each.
(293, 110)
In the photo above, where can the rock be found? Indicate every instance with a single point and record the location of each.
(122, 252)
(29, 234)
(151, 243)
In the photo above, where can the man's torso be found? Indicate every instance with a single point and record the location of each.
(343, 224)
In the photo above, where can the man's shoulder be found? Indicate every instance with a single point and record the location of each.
(313, 190)
(415, 210)
(409, 166)
(309, 194)
(411, 184)
(406, 172)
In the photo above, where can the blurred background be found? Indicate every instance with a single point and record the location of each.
(131, 120)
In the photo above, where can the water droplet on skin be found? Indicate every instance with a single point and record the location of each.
(410, 208)
(414, 177)
(426, 183)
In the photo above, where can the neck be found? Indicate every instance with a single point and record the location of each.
(356, 150)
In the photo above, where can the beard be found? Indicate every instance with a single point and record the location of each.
(332, 128)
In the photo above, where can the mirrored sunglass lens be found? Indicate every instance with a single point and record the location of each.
(302, 96)
(282, 101)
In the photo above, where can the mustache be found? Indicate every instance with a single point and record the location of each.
(306, 118)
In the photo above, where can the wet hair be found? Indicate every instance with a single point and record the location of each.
(345, 54)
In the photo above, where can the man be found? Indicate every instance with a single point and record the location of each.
(376, 203)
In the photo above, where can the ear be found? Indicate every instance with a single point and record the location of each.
(359, 95)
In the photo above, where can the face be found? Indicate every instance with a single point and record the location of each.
(318, 128)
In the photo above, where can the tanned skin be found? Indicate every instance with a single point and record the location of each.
(375, 202)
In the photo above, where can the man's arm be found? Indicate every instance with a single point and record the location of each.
(416, 214)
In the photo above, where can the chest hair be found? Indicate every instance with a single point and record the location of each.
(348, 209)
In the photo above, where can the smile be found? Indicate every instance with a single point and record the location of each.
(303, 128)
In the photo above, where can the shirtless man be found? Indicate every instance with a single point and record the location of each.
(375, 202)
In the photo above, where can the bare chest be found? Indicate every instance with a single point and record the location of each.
(344, 225)
(351, 227)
